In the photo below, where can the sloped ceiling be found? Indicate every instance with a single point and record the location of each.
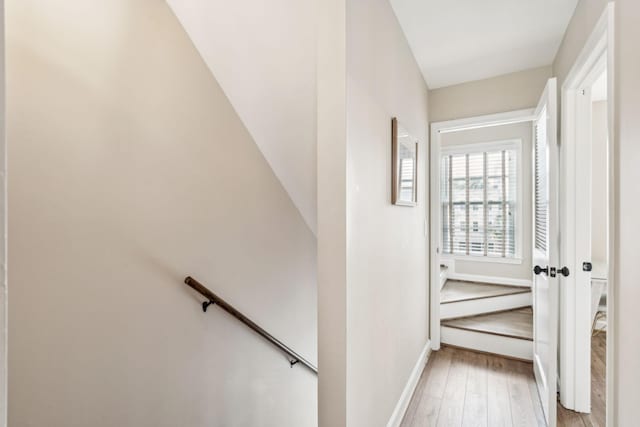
(456, 41)
(263, 55)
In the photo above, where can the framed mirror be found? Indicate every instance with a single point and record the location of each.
(404, 189)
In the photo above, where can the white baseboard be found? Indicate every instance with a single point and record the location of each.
(409, 388)
(489, 279)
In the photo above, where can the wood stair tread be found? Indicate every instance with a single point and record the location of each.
(517, 323)
(458, 290)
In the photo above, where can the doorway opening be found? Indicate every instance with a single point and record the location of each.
(481, 232)
(588, 297)
(479, 199)
(463, 179)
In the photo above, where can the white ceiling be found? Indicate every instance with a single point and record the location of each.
(456, 41)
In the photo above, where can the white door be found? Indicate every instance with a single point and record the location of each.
(546, 251)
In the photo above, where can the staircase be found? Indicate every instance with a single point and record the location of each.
(491, 318)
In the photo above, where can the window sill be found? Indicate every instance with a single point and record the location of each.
(472, 258)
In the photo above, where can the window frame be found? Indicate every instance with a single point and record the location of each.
(514, 144)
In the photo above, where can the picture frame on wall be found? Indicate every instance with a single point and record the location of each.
(404, 148)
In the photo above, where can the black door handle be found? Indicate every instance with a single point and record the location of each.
(564, 271)
(586, 266)
(537, 270)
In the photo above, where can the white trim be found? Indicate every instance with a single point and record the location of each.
(477, 122)
(495, 280)
(477, 258)
(480, 147)
(611, 283)
(575, 342)
(407, 393)
(438, 128)
(435, 233)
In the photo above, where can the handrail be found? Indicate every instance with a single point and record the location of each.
(215, 299)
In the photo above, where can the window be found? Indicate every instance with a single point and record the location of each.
(479, 200)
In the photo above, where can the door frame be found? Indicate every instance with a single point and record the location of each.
(437, 129)
(575, 325)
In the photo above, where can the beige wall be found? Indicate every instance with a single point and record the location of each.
(387, 281)
(582, 22)
(373, 282)
(3, 232)
(599, 183)
(627, 227)
(263, 54)
(129, 170)
(332, 210)
(523, 132)
(509, 92)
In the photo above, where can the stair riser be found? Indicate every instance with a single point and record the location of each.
(489, 343)
(484, 305)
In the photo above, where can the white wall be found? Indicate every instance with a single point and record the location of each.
(130, 170)
(523, 132)
(509, 92)
(599, 183)
(376, 253)
(263, 55)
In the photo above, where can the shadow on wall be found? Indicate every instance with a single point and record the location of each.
(129, 171)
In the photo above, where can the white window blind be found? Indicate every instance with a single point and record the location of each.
(541, 189)
(479, 202)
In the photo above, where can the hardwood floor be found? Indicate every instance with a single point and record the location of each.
(456, 290)
(516, 323)
(464, 388)
(598, 380)
(597, 417)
